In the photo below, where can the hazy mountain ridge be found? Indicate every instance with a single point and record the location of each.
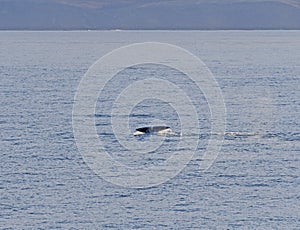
(132, 14)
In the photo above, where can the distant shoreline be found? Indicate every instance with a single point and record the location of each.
(137, 30)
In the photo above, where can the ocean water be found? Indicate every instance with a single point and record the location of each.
(46, 181)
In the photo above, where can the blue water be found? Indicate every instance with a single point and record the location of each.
(254, 182)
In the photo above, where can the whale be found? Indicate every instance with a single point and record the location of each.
(160, 130)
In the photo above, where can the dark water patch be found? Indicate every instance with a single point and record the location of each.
(139, 115)
(232, 176)
(66, 135)
(283, 136)
(102, 115)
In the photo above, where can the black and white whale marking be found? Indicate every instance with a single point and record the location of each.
(161, 130)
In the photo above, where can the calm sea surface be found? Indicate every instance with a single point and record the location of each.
(254, 183)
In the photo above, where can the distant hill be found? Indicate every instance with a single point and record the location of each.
(120, 14)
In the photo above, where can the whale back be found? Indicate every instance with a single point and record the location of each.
(153, 129)
(162, 130)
